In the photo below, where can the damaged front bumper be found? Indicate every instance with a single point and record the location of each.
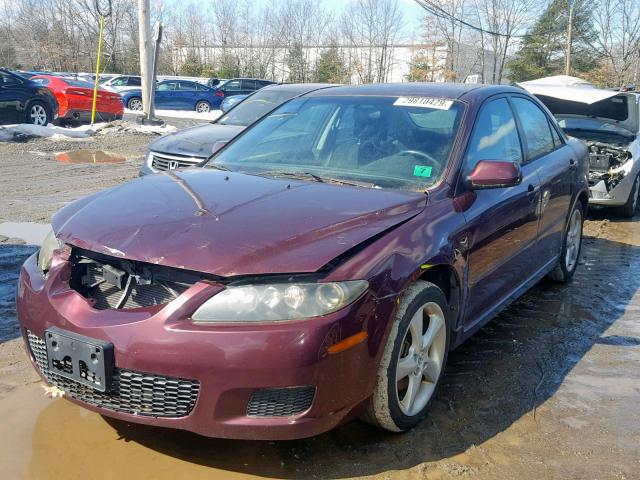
(612, 172)
(275, 381)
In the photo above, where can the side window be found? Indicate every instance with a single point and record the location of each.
(163, 87)
(186, 86)
(556, 137)
(495, 136)
(232, 86)
(249, 85)
(41, 81)
(535, 126)
(120, 82)
(134, 82)
(8, 79)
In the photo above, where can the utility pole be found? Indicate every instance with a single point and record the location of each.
(144, 27)
(567, 69)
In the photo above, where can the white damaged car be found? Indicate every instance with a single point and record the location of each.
(608, 122)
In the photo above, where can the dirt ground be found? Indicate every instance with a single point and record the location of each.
(548, 390)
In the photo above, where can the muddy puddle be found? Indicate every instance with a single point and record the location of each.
(89, 156)
(549, 389)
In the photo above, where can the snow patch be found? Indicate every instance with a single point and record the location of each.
(24, 131)
(212, 115)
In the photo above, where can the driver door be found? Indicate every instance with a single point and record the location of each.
(501, 223)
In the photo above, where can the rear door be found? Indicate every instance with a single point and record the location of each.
(186, 95)
(556, 164)
(502, 223)
(11, 98)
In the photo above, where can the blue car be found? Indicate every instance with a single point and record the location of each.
(177, 95)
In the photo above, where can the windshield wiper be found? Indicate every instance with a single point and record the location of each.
(216, 166)
(315, 177)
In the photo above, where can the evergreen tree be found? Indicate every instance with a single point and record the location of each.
(330, 67)
(543, 50)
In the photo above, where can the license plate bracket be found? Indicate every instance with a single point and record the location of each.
(85, 360)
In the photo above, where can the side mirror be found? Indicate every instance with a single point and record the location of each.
(493, 174)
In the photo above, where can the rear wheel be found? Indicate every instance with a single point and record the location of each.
(37, 114)
(571, 247)
(203, 107)
(413, 360)
(134, 103)
(630, 208)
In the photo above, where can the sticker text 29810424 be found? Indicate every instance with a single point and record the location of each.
(425, 102)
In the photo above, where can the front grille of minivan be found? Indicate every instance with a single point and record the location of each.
(131, 392)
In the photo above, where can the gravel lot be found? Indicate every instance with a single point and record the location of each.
(548, 390)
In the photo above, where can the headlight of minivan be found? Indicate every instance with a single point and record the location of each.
(278, 301)
(45, 255)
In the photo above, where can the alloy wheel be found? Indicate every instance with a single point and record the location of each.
(38, 115)
(135, 104)
(574, 237)
(203, 107)
(421, 359)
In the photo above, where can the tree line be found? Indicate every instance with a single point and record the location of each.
(302, 40)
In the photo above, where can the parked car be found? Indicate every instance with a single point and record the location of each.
(239, 86)
(75, 98)
(229, 102)
(122, 83)
(609, 123)
(176, 95)
(320, 267)
(24, 101)
(193, 145)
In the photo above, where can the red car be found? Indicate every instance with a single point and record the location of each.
(317, 268)
(75, 99)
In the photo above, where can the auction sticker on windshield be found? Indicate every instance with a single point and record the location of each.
(425, 102)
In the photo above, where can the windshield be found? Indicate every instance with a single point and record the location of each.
(386, 142)
(591, 124)
(255, 107)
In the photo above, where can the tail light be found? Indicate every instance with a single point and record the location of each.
(219, 93)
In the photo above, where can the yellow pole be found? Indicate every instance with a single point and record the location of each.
(95, 87)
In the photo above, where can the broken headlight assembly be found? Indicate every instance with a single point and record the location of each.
(45, 254)
(278, 302)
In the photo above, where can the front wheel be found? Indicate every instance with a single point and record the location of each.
(203, 107)
(413, 360)
(571, 247)
(630, 208)
(37, 114)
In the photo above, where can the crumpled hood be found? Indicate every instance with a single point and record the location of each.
(197, 141)
(227, 224)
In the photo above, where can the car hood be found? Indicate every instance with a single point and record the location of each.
(228, 224)
(581, 100)
(197, 141)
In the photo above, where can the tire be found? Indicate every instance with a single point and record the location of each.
(571, 247)
(203, 107)
(37, 114)
(629, 209)
(423, 308)
(134, 103)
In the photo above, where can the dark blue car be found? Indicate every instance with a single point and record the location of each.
(24, 101)
(177, 95)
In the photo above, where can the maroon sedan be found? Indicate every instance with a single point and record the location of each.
(318, 268)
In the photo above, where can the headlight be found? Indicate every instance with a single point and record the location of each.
(45, 255)
(278, 301)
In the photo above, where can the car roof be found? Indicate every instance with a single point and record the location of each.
(298, 87)
(453, 91)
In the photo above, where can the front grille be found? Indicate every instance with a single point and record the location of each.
(131, 392)
(280, 402)
(162, 161)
